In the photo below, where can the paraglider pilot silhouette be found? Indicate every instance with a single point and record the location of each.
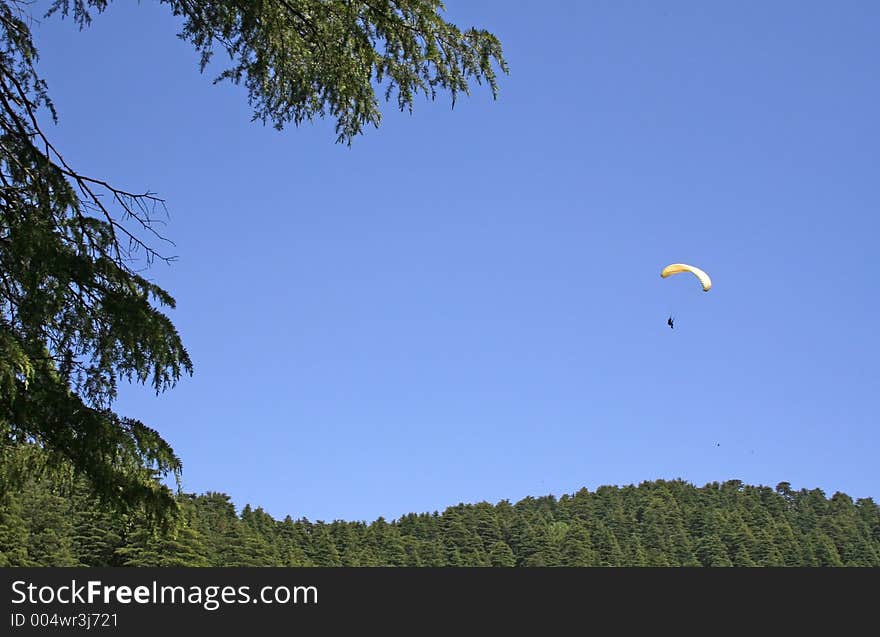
(678, 268)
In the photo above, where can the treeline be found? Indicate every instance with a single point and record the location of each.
(45, 522)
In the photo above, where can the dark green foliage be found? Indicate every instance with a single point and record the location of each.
(712, 552)
(97, 534)
(48, 517)
(577, 549)
(323, 551)
(76, 314)
(76, 317)
(305, 59)
(148, 547)
(501, 555)
(14, 535)
(659, 523)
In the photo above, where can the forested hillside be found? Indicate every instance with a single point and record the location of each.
(52, 522)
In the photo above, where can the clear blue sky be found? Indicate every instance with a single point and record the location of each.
(466, 305)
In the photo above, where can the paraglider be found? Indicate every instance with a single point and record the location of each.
(678, 268)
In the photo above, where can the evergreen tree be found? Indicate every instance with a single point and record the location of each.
(97, 531)
(501, 555)
(181, 547)
(50, 529)
(390, 547)
(637, 556)
(243, 547)
(14, 536)
(712, 552)
(825, 551)
(463, 546)
(787, 543)
(556, 533)
(486, 525)
(95, 538)
(739, 540)
(323, 548)
(606, 546)
(576, 548)
(411, 551)
(215, 518)
(292, 540)
(529, 539)
(765, 552)
(76, 313)
(432, 553)
(346, 538)
(654, 535)
(671, 523)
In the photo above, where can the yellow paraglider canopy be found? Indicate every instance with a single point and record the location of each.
(678, 268)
